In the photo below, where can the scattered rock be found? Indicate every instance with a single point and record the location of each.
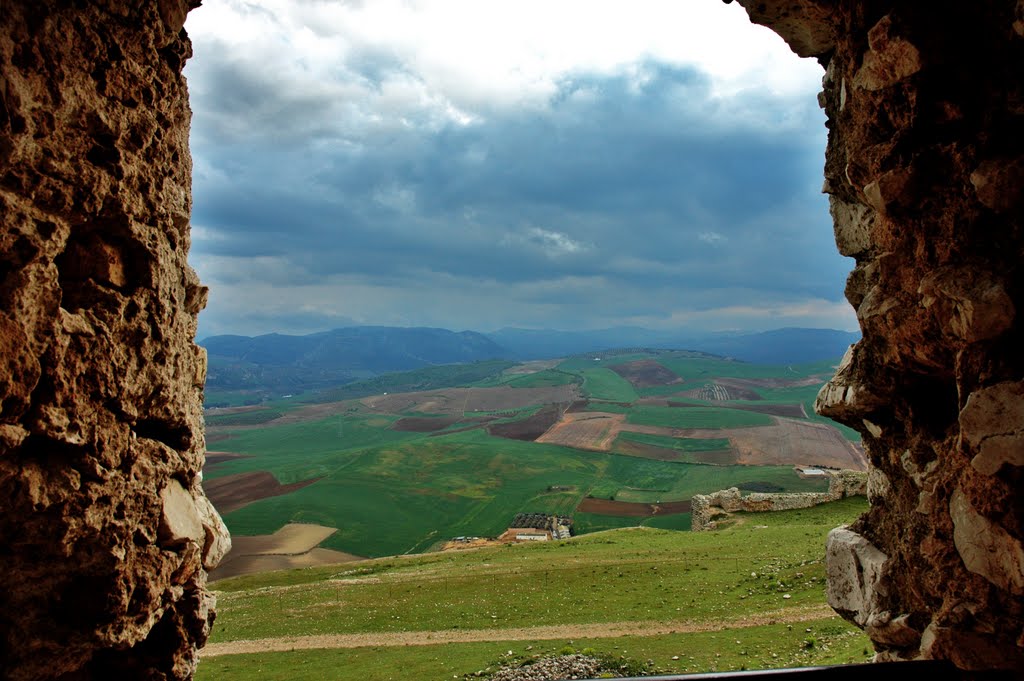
(854, 567)
(552, 669)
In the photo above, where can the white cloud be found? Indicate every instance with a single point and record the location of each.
(711, 237)
(551, 243)
(376, 138)
(462, 57)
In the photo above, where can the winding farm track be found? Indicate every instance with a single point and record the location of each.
(543, 633)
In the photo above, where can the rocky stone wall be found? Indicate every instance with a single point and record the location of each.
(925, 175)
(706, 507)
(105, 534)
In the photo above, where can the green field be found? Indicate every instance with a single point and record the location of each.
(244, 418)
(394, 492)
(428, 378)
(540, 379)
(695, 417)
(679, 444)
(769, 565)
(605, 384)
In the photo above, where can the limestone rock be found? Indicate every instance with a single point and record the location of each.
(852, 223)
(889, 59)
(971, 305)
(100, 380)
(854, 569)
(808, 26)
(217, 541)
(895, 632)
(878, 485)
(992, 424)
(179, 518)
(985, 547)
(704, 507)
(844, 397)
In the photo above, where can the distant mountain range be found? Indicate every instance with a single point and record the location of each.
(281, 364)
(780, 346)
(292, 363)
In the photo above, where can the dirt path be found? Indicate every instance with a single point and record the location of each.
(545, 633)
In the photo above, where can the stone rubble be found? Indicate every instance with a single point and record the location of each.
(552, 669)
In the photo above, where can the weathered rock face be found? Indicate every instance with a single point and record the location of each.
(105, 534)
(925, 171)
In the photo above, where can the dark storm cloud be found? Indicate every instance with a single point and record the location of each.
(639, 182)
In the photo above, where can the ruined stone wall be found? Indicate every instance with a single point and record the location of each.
(105, 534)
(925, 171)
(705, 507)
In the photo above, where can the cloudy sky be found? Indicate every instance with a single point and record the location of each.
(476, 164)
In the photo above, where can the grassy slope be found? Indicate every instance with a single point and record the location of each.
(638, 575)
(427, 378)
(679, 444)
(605, 384)
(695, 417)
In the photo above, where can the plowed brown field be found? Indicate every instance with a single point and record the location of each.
(597, 430)
(423, 424)
(232, 492)
(214, 458)
(788, 442)
(646, 373)
(594, 430)
(530, 428)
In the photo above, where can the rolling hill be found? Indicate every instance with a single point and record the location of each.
(277, 363)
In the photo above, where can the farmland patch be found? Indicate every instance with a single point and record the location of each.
(424, 424)
(214, 458)
(789, 442)
(531, 367)
(530, 428)
(646, 373)
(798, 442)
(627, 509)
(720, 392)
(591, 430)
(232, 492)
(469, 400)
(696, 417)
(605, 384)
(662, 448)
(794, 411)
(292, 546)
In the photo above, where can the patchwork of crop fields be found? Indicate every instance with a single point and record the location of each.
(614, 440)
